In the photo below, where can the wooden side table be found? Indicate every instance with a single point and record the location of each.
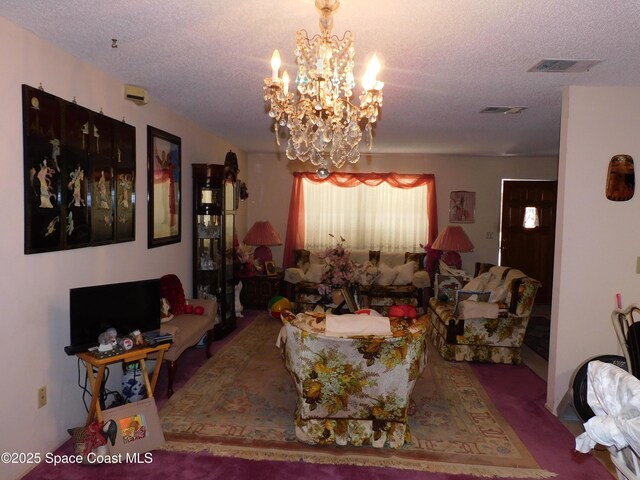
(139, 354)
(259, 289)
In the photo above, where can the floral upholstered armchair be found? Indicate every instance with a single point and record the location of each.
(482, 320)
(353, 390)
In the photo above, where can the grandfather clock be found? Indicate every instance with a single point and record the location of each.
(215, 200)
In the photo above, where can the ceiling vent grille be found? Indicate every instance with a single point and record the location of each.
(563, 66)
(503, 109)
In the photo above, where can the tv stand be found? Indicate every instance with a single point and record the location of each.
(96, 378)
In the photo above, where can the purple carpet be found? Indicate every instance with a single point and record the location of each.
(516, 391)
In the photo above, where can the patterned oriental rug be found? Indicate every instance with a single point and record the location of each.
(241, 404)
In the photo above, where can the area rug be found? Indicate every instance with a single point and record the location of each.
(241, 404)
(537, 336)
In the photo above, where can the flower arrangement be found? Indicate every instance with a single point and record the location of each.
(246, 264)
(245, 253)
(339, 270)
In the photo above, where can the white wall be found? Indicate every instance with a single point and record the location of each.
(35, 288)
(596, 239)
(270, 183)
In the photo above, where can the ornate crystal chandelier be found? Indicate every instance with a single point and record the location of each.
(324, 125)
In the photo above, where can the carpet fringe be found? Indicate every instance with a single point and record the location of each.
(322, 458)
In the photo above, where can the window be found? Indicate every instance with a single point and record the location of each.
(379, 217)
(531, 218)
(391, 211)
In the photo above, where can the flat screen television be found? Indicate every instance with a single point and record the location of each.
(124, 306)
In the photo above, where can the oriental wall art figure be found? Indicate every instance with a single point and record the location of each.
(164, 160)
(70, 167)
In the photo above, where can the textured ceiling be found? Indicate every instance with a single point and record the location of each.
(443, 61)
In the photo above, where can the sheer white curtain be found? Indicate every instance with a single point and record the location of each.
(370, 218)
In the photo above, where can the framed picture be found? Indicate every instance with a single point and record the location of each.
(75, 162)
(349, 299)
(270, 268)
(135, 428)
(164, 160)
(462, 207)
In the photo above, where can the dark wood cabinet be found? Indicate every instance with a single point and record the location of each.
(215, 200)
(259, 289)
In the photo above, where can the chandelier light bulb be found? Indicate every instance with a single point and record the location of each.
(275, 65)
(285, 83)
(369, 81)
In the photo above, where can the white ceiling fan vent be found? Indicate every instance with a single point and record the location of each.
(565, 66)
(503, 110)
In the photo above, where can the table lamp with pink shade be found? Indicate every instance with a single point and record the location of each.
(452, 240)
(262, 235)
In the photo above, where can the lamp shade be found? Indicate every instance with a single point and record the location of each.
(262, 233)
(453, 239)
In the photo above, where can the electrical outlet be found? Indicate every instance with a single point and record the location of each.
(42, 396)
(489, 235)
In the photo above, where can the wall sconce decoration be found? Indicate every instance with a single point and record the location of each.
(621, 180)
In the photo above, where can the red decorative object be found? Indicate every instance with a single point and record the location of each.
(199, 310)
(171, 289)
(188, 308)
(403, 311)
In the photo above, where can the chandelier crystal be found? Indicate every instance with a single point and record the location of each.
(324, 125)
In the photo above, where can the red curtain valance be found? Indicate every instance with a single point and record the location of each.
(295, 224)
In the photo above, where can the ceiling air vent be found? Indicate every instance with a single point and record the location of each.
(565, 66)
(503, 109)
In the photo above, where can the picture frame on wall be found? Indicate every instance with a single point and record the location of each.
(71, 158)
(462, 207)
(164, 171)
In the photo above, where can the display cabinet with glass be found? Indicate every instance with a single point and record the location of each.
(214, 206)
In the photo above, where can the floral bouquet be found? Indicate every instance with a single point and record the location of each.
(245, 262)
(339, 271)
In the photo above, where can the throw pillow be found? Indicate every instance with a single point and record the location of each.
(387, 275)
(405, 273)
(470, 309)
(462, 295)
(447, 285)
(314, 273)
(374, 257)
(418, 258)
(302, 259)
(365, 274)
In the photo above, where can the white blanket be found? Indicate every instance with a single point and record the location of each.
(614, 396)
(356, 325)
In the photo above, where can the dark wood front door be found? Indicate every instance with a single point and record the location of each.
(530, 249)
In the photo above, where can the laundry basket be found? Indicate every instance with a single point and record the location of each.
(626, 463)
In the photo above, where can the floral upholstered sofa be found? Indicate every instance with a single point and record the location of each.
(482, 320)
(381, 279)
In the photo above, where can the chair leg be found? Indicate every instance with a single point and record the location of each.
(172, 366)
(207, 349)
